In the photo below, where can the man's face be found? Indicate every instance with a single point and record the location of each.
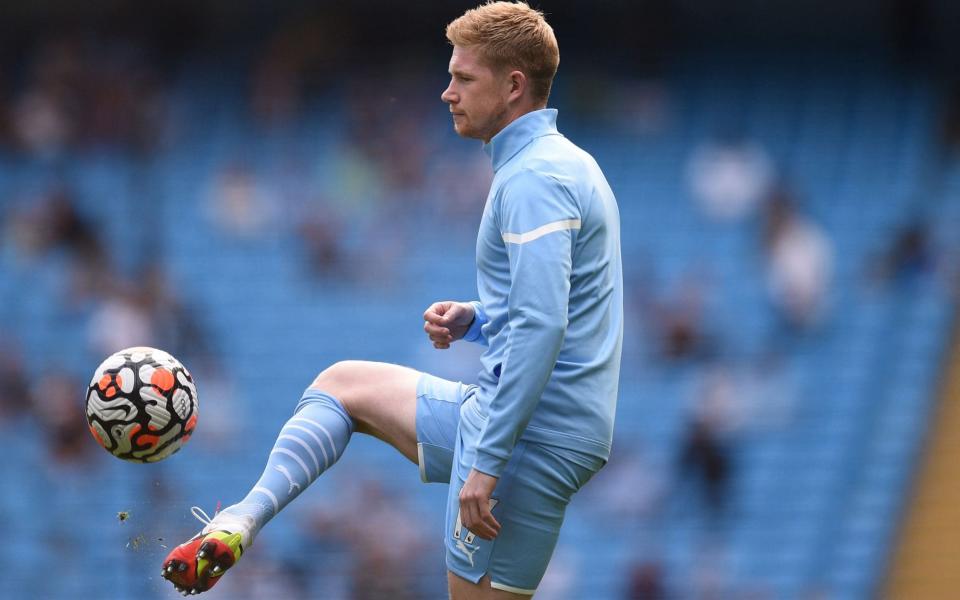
(477, 95)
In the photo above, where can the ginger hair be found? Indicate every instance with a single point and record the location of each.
(511, 35)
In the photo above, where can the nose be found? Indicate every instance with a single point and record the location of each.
(448, 95)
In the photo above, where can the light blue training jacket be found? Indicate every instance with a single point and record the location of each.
(550, 306)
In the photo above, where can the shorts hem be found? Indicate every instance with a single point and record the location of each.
(421, 463)
(464, 575)
(511, 589)
(473, 578)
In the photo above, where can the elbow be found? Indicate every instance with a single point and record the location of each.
(556, 328)
(548, 323)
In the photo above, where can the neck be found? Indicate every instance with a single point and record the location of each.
(512, 115)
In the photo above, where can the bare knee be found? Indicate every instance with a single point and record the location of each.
(372, 393)
(343, 380)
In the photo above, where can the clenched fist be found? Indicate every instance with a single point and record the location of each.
(447, 321)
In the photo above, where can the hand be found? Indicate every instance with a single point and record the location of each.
(447, 322)
(475, 505)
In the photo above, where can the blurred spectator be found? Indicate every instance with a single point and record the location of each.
(377, 127)
(298, 59)
(41, 125)
(352, 185)
(81, 90)
(122, 320)
(59, 407)
(15, 393)
(239, 203)
(729, 176)
(322, 236)
(679, 322)
(671, 320)
(147, 311)
(48, 109)
(909, 255)
(645, 581)
(705, 457)
(799, 258)
(175, 326)
(52, 222)
(305, 212)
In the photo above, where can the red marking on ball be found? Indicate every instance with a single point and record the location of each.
(96, 435)
(162, 379)
(149, 440)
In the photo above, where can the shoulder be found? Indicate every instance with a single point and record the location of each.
(530, 176)
(546, 184)
(557, 157)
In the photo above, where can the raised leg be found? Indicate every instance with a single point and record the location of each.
(378, 399)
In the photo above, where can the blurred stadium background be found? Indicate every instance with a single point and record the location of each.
(263, 188)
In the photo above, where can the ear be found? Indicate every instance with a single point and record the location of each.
(518, 85)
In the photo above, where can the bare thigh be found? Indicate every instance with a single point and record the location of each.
(380, 397)
(461, 589)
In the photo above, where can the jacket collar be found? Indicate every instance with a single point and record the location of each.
(520, 132)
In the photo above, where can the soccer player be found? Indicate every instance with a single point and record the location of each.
(516, 446)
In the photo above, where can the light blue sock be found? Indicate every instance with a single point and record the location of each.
(308, 444)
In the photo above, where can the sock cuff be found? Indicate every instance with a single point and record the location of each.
(313, 395)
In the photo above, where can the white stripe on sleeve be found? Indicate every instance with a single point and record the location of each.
(529, 236)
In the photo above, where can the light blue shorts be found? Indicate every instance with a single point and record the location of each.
(530, 499)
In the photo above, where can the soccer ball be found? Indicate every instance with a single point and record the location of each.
(141, 405)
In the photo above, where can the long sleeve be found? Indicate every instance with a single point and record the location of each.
(538, 221)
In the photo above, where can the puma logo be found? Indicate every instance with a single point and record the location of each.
(469, 552)
(286, 473)
(464, 542)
